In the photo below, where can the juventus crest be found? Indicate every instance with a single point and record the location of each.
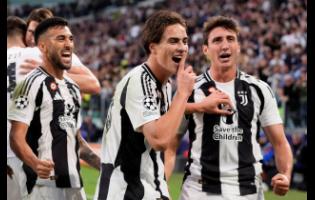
(243, 96)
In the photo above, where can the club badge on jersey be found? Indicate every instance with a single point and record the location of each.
(243, 96)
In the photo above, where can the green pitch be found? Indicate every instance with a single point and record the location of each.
(90, 177)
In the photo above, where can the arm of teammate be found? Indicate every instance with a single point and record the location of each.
(210, 104)
(78, 72)
(86, 80)
(23, 151)
(160, 132)
(283, 156)
(28, 65)
(87, 154)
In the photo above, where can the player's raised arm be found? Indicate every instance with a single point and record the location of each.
(84, 77)
(160, 132)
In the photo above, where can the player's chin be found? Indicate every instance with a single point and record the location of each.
(66, 66)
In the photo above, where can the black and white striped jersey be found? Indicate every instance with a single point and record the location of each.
(224, 155)
(50, 107)
(15, 56)
(131, 168)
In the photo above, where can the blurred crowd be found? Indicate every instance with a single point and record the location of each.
(273, 41)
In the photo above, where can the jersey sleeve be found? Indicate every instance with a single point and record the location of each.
(23, 102)
(141, 102)
(270, 113)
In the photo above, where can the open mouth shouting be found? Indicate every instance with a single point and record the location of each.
(176, 59)
(224, 57)
(66, 56)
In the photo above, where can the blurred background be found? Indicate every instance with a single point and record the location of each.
(273, 48)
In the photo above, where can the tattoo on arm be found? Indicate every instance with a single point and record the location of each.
(87, 154)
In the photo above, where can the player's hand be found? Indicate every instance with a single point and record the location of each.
(9, 171)
(28, 65)
(280, 184)
(211, 103)
(185, 78)
(44, 167)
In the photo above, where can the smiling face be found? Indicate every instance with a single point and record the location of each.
(171, 48)
(222, 48)
(58, 47)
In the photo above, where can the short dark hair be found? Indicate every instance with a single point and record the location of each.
(15, 26)
(39, 15)
(48, 23)
(219, 21)
(156, 24)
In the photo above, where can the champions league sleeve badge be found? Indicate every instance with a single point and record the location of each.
(149, 103)
(21, 102)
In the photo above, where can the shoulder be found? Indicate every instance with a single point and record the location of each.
(200, 80)
(31, 83)
(256, 83)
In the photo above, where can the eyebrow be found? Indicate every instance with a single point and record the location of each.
(177, 38)
(220, 37)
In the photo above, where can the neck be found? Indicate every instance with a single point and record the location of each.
(52, 70)
(14, 42)
(158, 71)
(222, 75)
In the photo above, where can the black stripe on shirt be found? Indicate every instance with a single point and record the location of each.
(106, 173)
(143, 83)
(246, 170)
(192, 137)
(260, 96)
(210, 162)
(33, 134)
(262, 104)
(156, 174)
(21, 89)
(59, 142)
(129, 153)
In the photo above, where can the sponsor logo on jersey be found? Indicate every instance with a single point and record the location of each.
(228, 129)
(67, 120)
(227, 133)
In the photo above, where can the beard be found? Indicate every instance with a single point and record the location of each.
(55, 59)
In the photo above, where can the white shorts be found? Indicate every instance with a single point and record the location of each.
(52, 193)
(192, 190)
(16, 186)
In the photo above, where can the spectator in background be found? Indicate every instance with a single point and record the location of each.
(291, 97)
(89, 131)
(299, 145)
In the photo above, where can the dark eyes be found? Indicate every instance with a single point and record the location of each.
(62, 38)
(176, 40)
(220, 39)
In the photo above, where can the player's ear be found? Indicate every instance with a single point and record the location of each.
(41, 45)
(204, 49)
(152, 47)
